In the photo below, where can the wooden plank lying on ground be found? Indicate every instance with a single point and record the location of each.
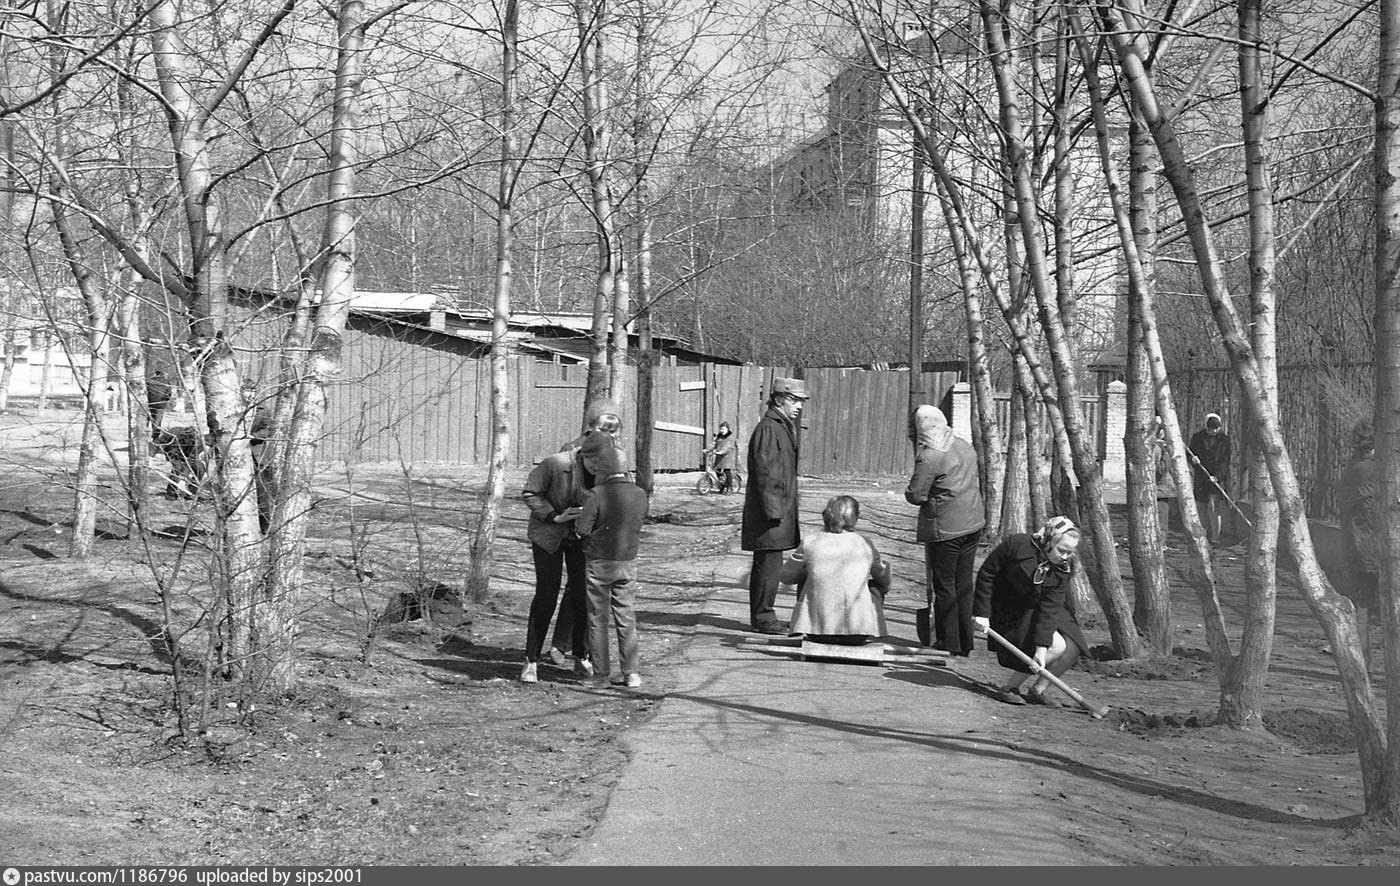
(869, 653)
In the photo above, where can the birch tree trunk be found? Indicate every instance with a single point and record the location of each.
(1384, 785)
(1030, 374)
(8, 189)
(591, 17)
(95, 314)
(237, 568)
(483, 544)
(991, 463)
(1137, 228)
(133, 353)
(642, 136)
(1242, 696)
(278, 622)
(1016, 514)
(1333, 611)
(1099, 536)
(96, 329)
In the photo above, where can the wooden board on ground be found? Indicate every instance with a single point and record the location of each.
(869, 653)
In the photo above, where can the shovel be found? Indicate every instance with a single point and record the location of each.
(1098, 713)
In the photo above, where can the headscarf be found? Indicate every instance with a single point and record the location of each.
(928, 426)
(1045, 538)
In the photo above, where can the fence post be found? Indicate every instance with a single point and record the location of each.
(962, 410)
(1115, 425)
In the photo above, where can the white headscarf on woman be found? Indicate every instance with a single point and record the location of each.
(928, 427)
(1045, 538)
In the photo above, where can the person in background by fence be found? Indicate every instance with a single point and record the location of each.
(1022, 589)
(841, 580)
(259, 432)
(723, 450)
(1210, 467)
(157, 397)
(1361, 530)
(947, 488)
(770, 500)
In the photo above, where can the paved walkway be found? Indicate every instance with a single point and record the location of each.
(759, 758)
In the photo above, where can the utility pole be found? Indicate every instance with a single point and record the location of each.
(916, 280)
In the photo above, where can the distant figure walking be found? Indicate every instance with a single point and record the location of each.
(1361, 530)
(1210, 466)
(157, 397)
(841, 580)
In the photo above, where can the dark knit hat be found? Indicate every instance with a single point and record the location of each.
(599, 446)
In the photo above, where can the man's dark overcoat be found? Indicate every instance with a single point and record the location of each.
(770, 499)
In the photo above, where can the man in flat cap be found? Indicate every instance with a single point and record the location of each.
(770, 500)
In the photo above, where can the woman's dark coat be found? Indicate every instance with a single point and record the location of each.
(770, 499)
(1026, 615)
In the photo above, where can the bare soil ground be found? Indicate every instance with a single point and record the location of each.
(416, 744)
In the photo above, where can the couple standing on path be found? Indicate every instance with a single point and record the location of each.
(1020, 591)
(586, 517)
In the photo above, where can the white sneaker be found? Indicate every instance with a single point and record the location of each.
(529, 674)
(634, 680)
(583, 667)
(556, 658)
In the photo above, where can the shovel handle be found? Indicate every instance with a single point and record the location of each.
(1098, 713)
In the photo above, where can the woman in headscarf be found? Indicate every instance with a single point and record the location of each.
(946, 487)
(1362, 531)
(1022, 590)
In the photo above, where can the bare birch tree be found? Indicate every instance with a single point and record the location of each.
(1383, 781)
(485, 538)
(1334, 611)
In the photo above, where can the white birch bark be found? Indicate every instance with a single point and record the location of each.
(1333, 611)
(484, 540)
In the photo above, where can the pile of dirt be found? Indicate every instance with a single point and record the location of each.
(1313, 732)
(1183, 664)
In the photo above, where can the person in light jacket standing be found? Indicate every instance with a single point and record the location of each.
(770, 500)
(946, 487)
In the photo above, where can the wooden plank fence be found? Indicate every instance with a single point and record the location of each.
(415, 396)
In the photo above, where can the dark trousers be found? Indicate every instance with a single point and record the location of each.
(763, 587)
(571, 628)
(950, 590)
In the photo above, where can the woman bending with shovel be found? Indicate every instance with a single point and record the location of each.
(1021, 597)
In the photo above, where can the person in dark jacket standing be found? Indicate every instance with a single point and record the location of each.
(770, 500)
(1022, 590)
(610, 525)
(554, 493)
(1210, 468)
(948, 490)
(157, 399)
(1361, 531)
